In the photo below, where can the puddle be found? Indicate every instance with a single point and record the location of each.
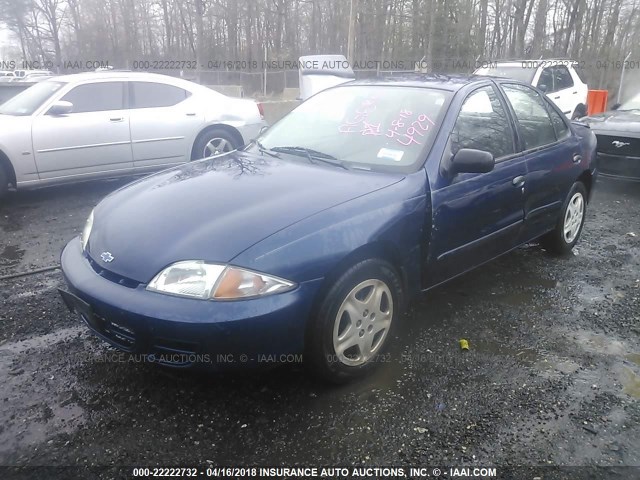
(537, 359)
(9, 225)
(560, 365)
(630, 383)
(11, 255)
(633, 357)
(590, 294)
(37, 401)
(527, 356)
(41, 342)
(605, 345)
(598, 343)
(47, 285)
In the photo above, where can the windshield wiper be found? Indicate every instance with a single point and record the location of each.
(312, 155)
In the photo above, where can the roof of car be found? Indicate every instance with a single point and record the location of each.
(443, 82)
(111, 74)
(537, 61)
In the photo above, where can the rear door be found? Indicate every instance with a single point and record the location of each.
(164, 122)
(477, 216)
(552, 154)
(565, 94)
(93, 138)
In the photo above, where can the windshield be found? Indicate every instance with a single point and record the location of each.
(28, 101)
(362, 126)
(516, 72)
(633, 104)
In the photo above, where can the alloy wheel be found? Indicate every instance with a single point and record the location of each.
(216, 146)
(573, 217)
(362, 322)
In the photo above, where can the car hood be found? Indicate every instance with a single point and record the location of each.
(617, 121)
(214, 209)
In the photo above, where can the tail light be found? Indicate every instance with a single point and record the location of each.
(261, 110)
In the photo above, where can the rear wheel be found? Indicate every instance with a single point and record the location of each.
(4, 181)
(354, 321)
(579, 112)
(563, 238)
(213, 142)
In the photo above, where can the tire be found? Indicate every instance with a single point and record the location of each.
(213, 142)
(579, 112)
(4, 182)
(370, 318)
(571, 220)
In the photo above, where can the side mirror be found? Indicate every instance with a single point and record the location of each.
(60, 108)
(470, 160)
(543, 87)
(616, 106)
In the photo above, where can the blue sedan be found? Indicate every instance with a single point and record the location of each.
(311, 240)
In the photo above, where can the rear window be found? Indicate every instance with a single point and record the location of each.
(515, 71)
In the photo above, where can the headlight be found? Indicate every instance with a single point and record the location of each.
(86, 231)
(197, 279)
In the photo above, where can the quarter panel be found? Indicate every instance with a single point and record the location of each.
(15, 143)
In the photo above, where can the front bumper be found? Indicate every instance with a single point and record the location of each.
(185, 332)
(619, 166)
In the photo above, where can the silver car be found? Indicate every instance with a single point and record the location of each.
(107, 124)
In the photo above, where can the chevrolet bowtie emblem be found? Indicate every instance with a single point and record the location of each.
(107, 257)
(618, 143)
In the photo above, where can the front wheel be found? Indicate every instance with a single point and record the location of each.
(354, 321)
(565, 235)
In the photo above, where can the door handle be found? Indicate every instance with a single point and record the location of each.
(575, 93)
(116, 119)
(577, 158)
(518, 181)
(190, 114)
(557, 98)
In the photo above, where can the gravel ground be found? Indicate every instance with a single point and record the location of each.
(552, 376)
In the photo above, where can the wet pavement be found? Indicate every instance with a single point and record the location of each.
(552, 376)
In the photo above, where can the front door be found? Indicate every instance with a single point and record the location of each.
(477, 216)
(93, 138)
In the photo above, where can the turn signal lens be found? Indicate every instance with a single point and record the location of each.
(239, 283)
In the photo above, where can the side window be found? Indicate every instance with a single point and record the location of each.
(96, 97)
(153, 95)
(559, 124)
(483, 125)
(580, 71)
(545, 82)
(535, 125)
(562, 78)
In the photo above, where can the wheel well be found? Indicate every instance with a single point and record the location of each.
(5, 163)
(228, 128)
(587, 180)
(379, 250)
(578, 106)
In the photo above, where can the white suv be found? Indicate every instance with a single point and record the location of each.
(559, 79)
